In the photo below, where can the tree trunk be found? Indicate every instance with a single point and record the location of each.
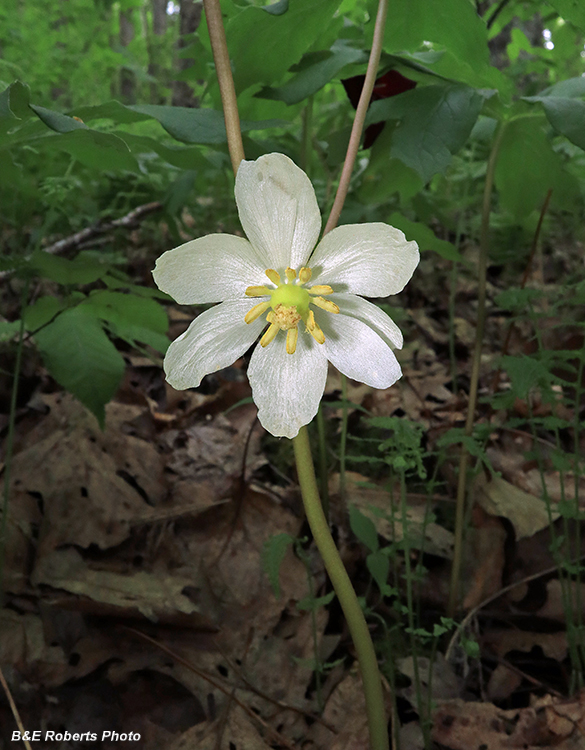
(189, 19)
(127, 78)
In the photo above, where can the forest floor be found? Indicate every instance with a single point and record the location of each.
(137, 600)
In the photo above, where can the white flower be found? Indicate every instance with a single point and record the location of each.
(266, 281)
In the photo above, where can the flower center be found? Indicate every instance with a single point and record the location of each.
(290, 304)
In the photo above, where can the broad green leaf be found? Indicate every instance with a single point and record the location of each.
(57, 121)
(570, 10)
(183, 157)
(435, 122)
(101, 151)
(379, 566)
(316, 69)
(263, 46)
(42, 312)
(453, 24)
(130, 317)
(527, 167)
(363, 527)
(14, 102)
(384, 177)
(312, 604)
(273, 554)
(80, 270)
(565, 89)
(82, 359)
(567, 116)
(424, 236)
(9, 329)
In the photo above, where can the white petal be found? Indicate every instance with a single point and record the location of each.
(370, 314)
(370, 259)
(215, 339)
(358, 351)
(287, 388)
(278, 210)
(209, 269)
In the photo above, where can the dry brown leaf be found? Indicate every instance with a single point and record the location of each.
(526, 513)
(550, 722)
(236, 732)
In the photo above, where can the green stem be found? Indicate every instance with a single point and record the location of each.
(343, 441)
(360, 117)
(323, 474)
(225, 79)
(343, 588)
(476, 362)
(307, 137)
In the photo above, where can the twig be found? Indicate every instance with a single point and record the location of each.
(75, 240)
(14, 709)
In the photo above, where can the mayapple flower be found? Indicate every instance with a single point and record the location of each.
(307, 300)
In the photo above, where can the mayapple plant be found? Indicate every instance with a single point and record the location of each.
(315, 291)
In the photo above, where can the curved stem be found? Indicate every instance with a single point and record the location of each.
(475, 367)
(227, 89)
(360, 117)
(345, 593)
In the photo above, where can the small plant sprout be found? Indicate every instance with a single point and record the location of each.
(309, 302)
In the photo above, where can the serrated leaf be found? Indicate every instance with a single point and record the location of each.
(525, 373)
(81, 358)
(363, 527)
(273, 554)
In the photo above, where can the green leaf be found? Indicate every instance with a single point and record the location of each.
(424, 236)
(264, 46)
(527, 167)
(313, 603)
(81, 358)
(14, 102)
(565, 89)
(452, 24)
(9, 329)
(57, 121)
(273, 554)
(570, 10)
(567, 116)
(100, 151)
(80, 270)
(525, 373)
(379, 566)
(363, 527)
(41, 312)
(435, 122)
(318, 68)
(131, 317)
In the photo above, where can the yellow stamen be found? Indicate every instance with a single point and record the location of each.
(305, 275)
(314, 329)
(291, 274)
(321, 289)
(255, 312)
(325, 304)
(270, 317)
(257, 291)
(291, 340)
(270, 334)
(273, 275)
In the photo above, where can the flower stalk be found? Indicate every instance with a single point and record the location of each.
(345, 593)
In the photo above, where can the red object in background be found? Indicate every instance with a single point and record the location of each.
(390, 84)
